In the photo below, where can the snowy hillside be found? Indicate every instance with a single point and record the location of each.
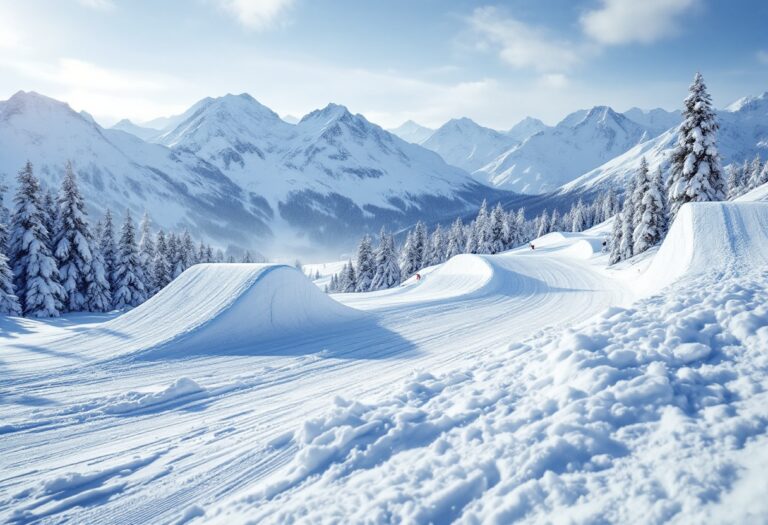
(743, 133)
(525, 128)
(412, 132)
(119, 171)
(572, 389)
(142, 132)
(231, 169)
(557, 155)
(466, 144)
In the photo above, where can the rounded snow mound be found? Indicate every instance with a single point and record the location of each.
(710, 236)
(211, 307)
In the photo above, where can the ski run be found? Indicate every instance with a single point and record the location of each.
(528, 386)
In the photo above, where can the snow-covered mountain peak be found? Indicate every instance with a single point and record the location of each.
(525, 128)
(31, 104)
(412, 132)
(754, 103)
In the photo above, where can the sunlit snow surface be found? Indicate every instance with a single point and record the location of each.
(532, 386)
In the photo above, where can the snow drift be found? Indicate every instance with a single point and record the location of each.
(711, 236)
(212, 307)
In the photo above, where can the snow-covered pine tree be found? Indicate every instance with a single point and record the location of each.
(578, 217)
(628, 225)
(5, 219)
(544, 224)
(129, 276)
(456, 240)
(201, 254)
(695, 172)
(610, 205)
(414, 250)
(366, 265)
(470, 234)
(482, 227)
(161, 271)
(50, 217)
(189, 255)
(209, 257)
(650, 214)
(98, 293)
(36, 275)
(753, 175)
(555, 221)
(146, 250)
(350, 278)
(436, 247)
(108, 248)
(247, 257)
(387, 270)
(72, 244)
(734, 181)
(9, 302)
(616, 230)
(496, 235)
(523, 228)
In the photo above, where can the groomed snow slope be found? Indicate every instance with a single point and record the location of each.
(704, 236)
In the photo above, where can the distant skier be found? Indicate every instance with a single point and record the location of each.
(532, 247)
(418, 277)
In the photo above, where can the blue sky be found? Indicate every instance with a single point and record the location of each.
(426, 60)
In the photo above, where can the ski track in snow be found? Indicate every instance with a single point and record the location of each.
(498, 388)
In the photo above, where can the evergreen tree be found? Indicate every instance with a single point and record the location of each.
(734, 181)
(544, 224)
(366, 265)
(247, 257)
(202, 256)
(72, 244)
(471, 235)
(523, 228)
(758, 173)
(161, 271)
(146, 250)
(578, 217)
(99, 294)
(437, 247)
(350, 278)
(387, 271)
(695, 172)
(209, 254)
(496, 235)
(108, 248)
(188, 251)
(628, 225)
(456, 240)
(414, 250)
(555, 221)
(50, 217)
(9, 303)
(652, 213)
(616, 240)
(219, 255)
(36, 275)
(482, 232)
(129, 277)
(5, 218)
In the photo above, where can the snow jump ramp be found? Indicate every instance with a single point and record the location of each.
(710, 237)
(211, 307)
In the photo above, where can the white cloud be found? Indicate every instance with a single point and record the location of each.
(256, 14)
(97, 4)
(627, 21)
(9, 36)
(762, 56)
(554, 80)
(521, 45)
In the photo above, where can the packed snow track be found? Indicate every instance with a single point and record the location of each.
(163, 411)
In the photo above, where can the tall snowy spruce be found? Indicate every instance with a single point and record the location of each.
(615, 241)
(437, 247)
(651, 211)
(9, 302)
(99, 294)
(146, 249)
(627, 244)
(36, 275)
(695, 171)
(129, 278)
(108, 248)
(72, 244)
(496, 235)
(414, 250)
(161, 272)
(366, 265)
(387, 270)
(456, 240)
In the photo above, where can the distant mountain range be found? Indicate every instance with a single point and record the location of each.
(231, 170)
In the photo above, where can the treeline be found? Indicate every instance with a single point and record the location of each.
(695, 175)
(746, 177)
(490, 232)
(52, 260)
